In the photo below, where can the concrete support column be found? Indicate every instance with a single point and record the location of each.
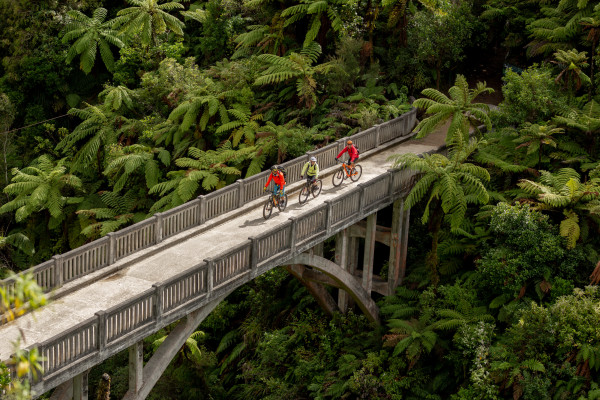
(341, 259)
(397, 262)
(367, 275)
(317, 250)
(353, 247)
(80, 386)
(404, 244)
(136, 367)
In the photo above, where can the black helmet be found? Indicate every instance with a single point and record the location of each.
(274, 168)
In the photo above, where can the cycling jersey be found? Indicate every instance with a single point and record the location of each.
(352, 153)
(310, 170)
(278, 180)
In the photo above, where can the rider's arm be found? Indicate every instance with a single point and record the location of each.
(304, 168)
(345, 149)
(316, 170)
(269, 180)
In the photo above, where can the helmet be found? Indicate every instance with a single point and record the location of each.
(313, 159)
(274, 168)
(349, 142)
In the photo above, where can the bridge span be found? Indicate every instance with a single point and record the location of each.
(112, 293)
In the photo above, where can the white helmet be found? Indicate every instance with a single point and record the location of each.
(313, 159)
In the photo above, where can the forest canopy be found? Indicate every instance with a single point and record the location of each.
(112, 111)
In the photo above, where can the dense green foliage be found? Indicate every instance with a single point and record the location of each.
(112, 111)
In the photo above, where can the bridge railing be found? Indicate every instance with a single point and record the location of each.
(111, 330)
(103, 252)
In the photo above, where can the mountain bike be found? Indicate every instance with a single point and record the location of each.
(275, 200)
(346, 171)
(309, 188)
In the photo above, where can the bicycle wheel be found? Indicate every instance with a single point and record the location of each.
(338, 177)
(268, 208)
(316, 188)
(356, 172)
(282, 202)
(304, 194)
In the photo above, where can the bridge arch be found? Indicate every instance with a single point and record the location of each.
(344, 280)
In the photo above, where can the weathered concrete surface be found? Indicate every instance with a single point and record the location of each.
(83, 303)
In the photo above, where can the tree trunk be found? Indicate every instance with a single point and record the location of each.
(435, 225)
(104, 388)
(438, 71)
(592, 71)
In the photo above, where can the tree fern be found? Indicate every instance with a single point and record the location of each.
(89, 35)
(148, 19)
(459, 108)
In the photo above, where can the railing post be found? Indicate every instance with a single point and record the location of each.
(390, 172)
(58, 270)
(241, 192)
(377, 130)
(112, 248)
(329, 216)
(254, 256)
(202, 213)
(362, 199)
(159, 227)
(293, 227)
(102, 335)
(158, 301)
(210, 276)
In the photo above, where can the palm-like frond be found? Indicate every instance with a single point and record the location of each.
(41, 186)
(91, 34)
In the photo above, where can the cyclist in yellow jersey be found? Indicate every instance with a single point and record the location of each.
(311, 169)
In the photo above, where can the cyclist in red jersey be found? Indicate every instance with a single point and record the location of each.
(279, 181)
(352, 153)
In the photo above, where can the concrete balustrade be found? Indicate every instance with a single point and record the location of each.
(135, 238)
(179, 290)
(180, 218)
(232, 264)
(82, 261)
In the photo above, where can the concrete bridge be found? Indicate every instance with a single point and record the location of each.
(108, 295)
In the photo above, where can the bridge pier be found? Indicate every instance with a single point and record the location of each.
(136, 366)
(398, 245)
(341, 259)
(346, 260)
(369, 253)
(146, 376)
(73, 389)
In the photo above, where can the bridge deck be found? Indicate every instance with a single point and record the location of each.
(81, 304)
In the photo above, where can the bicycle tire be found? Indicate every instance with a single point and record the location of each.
(268, 208)
(282, 203)
(338, 177)
(316, 188)
(303, 194)
(356, 173)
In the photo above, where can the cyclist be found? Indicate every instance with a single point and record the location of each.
(311, 169)
(278, 181)
(352, 153)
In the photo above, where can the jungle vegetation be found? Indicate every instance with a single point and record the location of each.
(111, 111)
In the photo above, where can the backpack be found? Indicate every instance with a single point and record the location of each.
(284, 172)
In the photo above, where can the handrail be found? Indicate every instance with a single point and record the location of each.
(103, 252)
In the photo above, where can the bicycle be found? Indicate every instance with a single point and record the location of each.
(354, 173)
(275, 200)
(309, 187)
